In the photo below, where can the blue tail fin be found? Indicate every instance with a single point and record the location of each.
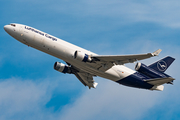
(163, 64)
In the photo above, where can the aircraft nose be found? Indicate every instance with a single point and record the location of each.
(7, 28)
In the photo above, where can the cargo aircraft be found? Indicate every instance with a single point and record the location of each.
(85, 64)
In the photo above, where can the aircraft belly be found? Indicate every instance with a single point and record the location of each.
(131, 78)
(134, 80)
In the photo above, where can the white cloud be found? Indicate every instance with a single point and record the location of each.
(23, 99)
(110, 101)
(27, 99)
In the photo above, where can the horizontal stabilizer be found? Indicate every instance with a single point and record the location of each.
(159, 81)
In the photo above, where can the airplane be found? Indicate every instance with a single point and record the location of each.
(85, 64)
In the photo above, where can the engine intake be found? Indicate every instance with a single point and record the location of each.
(142, 68)
(82, 56)
(62, 67)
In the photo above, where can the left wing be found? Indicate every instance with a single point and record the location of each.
(86, 79)
(107, 61)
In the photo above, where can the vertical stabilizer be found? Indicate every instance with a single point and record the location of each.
(163, 64)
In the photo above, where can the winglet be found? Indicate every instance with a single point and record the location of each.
(156, 53)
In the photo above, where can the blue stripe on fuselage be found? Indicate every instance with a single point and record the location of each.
(135, 80)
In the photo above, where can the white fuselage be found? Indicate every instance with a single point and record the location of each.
(63, 50)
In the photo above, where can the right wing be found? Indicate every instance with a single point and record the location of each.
(104, 62)
(122, 59)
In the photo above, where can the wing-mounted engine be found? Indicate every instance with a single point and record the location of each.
(82, 56)
(142, 68)
(62, 67)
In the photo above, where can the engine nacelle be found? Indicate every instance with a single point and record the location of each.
(62, 67)
(142, 68)
(82, 56)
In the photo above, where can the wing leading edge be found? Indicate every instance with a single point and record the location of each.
(122, 59)
(105, 62)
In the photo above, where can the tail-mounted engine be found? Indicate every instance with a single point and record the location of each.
(82, 56)
(142, 68)
(62, 67)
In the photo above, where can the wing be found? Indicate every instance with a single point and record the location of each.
(107, 61)
(86, 79)
(122, 59)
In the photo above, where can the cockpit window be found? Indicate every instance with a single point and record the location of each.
(13, 25)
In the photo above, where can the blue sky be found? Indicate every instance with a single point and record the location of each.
(31, 89)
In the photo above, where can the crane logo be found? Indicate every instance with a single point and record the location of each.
(161, 65)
